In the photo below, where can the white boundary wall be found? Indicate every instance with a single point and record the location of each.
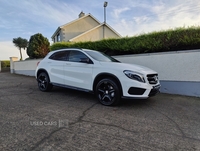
(26, 67)
(179, 72)
(174, 66)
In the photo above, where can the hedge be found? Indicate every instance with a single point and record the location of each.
(170, 40)
(5, 64)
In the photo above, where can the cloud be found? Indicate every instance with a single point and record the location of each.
(117, 12)
(139, 20)
(25, 18)
(48, 12)
(34, 17)
(51, 11)
(8, 50)
(161, 15)
(158, 8)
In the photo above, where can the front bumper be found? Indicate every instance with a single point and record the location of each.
(134, 89)
(155, 90)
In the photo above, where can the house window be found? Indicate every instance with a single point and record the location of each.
(58, 37)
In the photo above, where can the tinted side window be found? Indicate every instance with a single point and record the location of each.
(77, 56)
(61, 55)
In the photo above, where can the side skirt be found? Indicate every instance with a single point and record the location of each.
(71, 87)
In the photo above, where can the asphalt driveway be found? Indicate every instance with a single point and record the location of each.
(71, 120)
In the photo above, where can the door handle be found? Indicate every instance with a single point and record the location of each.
(68, 63)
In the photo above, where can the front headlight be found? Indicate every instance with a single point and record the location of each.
(134, 75)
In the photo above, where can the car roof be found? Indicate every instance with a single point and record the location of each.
(66, 49)
(80, 49)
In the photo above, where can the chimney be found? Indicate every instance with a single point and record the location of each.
(81, 14)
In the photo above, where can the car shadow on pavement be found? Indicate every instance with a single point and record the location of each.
(137, 102)
(91, 96)
(67, 91)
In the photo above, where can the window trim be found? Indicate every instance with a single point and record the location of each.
(89, 62)
(66, 58)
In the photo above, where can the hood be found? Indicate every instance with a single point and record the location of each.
(126, 66)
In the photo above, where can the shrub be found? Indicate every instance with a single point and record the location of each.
(169, 40)
(5, 64)
(38, 46)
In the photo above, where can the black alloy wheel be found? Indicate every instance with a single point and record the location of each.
(107, 92)
(44, 82)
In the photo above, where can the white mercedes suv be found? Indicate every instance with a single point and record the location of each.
(93, 71)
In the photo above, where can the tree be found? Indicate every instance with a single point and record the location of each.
(38, 46)
(20, 43)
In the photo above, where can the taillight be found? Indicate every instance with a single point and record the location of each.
(38, 63)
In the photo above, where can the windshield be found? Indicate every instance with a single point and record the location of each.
(99, 56)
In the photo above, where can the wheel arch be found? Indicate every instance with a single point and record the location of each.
(107, 75)
(42, 70)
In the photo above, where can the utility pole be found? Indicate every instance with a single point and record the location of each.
(105, 5)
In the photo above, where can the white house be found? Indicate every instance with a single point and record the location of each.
(85, 28)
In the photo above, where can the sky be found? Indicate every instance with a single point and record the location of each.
(24, 18)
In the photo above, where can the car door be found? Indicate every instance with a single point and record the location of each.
(78, 70)
(56, 63)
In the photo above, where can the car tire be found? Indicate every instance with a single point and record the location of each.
(107, 92)
(44, 82)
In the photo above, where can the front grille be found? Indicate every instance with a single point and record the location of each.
(152, 78)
